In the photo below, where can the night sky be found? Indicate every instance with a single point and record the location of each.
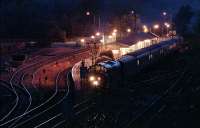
(25, 13)
(144, 7)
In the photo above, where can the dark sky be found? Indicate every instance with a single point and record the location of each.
(149, 9)
(22, 14)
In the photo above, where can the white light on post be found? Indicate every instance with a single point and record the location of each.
(145, 29)
(98, 34)
(115, 30)
(110, 36)
(92, 37)
(114, 34)
(164, 13)
(167, 25)
(82, 40)
(87, 13)
(128, 30)
(156, 26)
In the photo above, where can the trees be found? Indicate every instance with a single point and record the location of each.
(197, 25)
(182, 20)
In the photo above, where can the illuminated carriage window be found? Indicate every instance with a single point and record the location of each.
(150, 56)
(138, 62)
(147, 42)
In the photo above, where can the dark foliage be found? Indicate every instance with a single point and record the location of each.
(197, 25)
(182, 20)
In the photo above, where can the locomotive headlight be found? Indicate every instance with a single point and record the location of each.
(99, 78)
(95, 83)
(91, 78)
(95, 80)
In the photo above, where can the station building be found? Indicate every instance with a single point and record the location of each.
(131, 43)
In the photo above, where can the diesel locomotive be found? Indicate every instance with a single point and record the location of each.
(113, 73)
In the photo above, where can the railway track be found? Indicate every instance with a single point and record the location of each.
(16, 78)
(30, 101)
(142, 108)
(137, 103)
(22, 101)
(158, 105)
(156, 79)
(167, 101)
(20, 116)
(5, 121)
(84, 106)
(9, 98)
(35, 116)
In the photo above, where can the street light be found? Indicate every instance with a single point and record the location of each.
(156, 26)
(91, 14)
(144, 26)
(114, 34)
(167, 25)
(128, 30)
(92, 37)
(110, 36)
(87, 13)
(115, 30)
(82, 40)
(164, 13)
(98, 34)
(145, 29)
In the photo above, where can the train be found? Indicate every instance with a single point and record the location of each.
(113, 73)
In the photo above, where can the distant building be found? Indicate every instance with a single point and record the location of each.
(131, 43)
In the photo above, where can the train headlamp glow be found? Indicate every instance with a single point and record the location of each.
(95, 83)
(94, 80)
(99, 78)
(91, 78)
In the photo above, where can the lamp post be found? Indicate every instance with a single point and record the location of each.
(128, 30)
(135, 20)
(94, 50)
(167, 25)
(145, 29)
(155, 28)
(88, 13)
(167, 17)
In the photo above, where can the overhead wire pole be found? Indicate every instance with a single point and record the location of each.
(94, 52)
(135, 20)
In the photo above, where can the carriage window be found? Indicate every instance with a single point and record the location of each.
(151, 56)
(138, 62)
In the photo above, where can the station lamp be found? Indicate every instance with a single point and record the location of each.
(82, 40)
(115, 30)
(145, 29)
(98, 34)
(92, 37)
(110, 36)
(128, 30)
(164, 13)
(87, 13)
(114, 34)
(156, 26)
(167, 25)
